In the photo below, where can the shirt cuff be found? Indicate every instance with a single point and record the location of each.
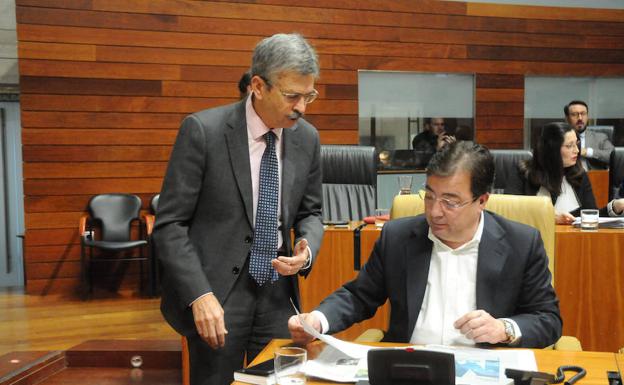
(309, 261)
(612, 212)
(201, 296)
(589, 152)
(517, 331)
(321, 317)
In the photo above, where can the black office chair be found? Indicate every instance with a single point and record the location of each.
(349, 182)
(107, 228)
(506, 165)
(616, 173)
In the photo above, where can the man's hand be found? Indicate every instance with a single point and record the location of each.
(209, 321)
(444, 140)
(480, 326)
(563, 218)
(299, 336)
(583, 152)
(292, 265)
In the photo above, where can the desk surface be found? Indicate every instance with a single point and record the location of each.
(596, 363)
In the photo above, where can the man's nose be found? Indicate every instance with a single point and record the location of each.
(301, 105)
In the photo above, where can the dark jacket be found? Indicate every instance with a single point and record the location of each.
(519, 184)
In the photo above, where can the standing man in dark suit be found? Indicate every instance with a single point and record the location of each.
(457, 275)
(240, 177)
(595, 147)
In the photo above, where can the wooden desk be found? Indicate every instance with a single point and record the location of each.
(596, 363)
(334, 267)
(589, 280)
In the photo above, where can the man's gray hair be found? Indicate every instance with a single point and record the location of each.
(284, 52)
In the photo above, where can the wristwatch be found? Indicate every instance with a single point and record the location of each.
(510, 332)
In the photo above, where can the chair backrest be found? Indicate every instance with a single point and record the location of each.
(154, 203)
(349, 182)
(115, 213)
(607, 130)
(616, 172)
(534, 211)
(506, 165)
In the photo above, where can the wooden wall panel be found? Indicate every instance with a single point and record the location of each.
(105, 83)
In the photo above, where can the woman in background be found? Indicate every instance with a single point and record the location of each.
(555, 171)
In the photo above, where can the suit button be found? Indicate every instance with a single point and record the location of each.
(235, 270)
(248, 239)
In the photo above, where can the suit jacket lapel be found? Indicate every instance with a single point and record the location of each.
(238, 149)
(290, 165)
(492, 259)
(417, 252)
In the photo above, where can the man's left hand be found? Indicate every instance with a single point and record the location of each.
(292, 265)
(480, 326)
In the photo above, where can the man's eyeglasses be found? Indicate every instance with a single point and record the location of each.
(294, 97)
(577, 114)
(448, 203)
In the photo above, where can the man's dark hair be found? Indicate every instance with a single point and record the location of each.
(465, 156)
(566, 108)
(243, 83)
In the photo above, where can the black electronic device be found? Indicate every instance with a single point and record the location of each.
(410, 367)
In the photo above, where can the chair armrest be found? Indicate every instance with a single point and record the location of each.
(149, 220)
(370, 335)
(568, 344)
(82, 225)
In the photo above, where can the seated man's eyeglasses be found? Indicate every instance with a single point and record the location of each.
(577, 114)
(294, 97)
(448, 203)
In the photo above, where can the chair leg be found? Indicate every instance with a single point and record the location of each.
(90, 271)
(83, 272)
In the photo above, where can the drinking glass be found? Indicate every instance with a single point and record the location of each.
(405, 184)
(289, 363)
(589, 219)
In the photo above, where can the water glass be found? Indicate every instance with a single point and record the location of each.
(589, 220)
(405, 184)
(289, 365)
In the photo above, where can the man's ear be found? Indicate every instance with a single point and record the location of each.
(483, 199)
(258, 87)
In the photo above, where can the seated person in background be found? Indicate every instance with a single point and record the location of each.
(595, 146)
(433, 138)
(555, 171)
(244, 84)
(457, 275)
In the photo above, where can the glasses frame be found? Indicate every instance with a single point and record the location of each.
(578, 114)
(571, 146)
(294, 97)
(446, 203)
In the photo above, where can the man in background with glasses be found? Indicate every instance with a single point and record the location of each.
(595, 148)
(457, 275)
(240, 177)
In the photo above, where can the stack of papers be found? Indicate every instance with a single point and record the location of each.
(604, 222)
(343, 361)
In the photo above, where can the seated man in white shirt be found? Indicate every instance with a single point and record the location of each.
(457, 275)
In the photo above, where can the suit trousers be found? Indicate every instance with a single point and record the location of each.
(253, 317)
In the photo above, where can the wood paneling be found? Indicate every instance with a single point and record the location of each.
(105, 83)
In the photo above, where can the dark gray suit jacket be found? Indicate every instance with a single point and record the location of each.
(513, 281)
(204, 223)
(602, 149)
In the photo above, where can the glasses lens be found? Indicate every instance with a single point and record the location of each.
(309, 98)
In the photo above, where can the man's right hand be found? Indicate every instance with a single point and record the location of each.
(299, 336)
(209, 321)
